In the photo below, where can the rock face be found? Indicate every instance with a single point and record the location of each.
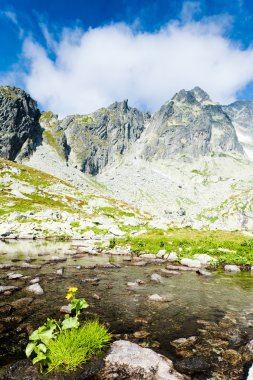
(19, 128)
(190, 125)
(241, 115)
(97, 138)
(127, 360)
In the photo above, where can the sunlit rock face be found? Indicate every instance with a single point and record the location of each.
(241, 115)
(19, 129)
(188, 126)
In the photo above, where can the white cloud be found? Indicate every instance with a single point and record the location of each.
(96, 67)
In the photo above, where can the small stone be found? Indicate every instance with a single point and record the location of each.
(35, 280)
(65, 310)
(106, 265)
(156, 278)
(157, 298)
(192, 364)
(94, 280)
(232, 268)
(14, 276)
(116, 231)
(35, 289)
(204, 258)
(141, 334)
(4, 289)
(96, 297)
(140, 263)
(191, 263)
(57, 259)
(30, 266)
(161, 253)
(59, 272)
(172, 256)
(169, 273)
(203, 272)
(5, 266)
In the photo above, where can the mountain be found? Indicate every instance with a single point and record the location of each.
(37, 205)
(241, 115)
(188, 164)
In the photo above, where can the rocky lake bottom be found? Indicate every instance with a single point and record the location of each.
(202, 323)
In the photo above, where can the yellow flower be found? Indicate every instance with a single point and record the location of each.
(69, 295)
(72, 290)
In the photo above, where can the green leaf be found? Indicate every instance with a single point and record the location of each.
(42, 348)
(78, 304)
(39, 358)
(44, 333)
(29, 349)
(70, 323)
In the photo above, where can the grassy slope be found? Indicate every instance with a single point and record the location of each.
(23, 189)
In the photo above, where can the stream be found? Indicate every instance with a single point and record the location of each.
(213, 313)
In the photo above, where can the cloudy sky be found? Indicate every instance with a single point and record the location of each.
(75, 56)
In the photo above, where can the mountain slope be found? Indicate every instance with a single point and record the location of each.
(35, 204)
(188, 164)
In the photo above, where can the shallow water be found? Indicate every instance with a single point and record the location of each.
(125, 310)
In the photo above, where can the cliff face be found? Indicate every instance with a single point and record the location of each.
(189, 126)
(241, 115)
(19, 128)
(99, 138)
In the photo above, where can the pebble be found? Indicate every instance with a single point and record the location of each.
(59, 272)
(156, 278)
(35, 289)
(96, 297)
(14, 276)
(30, 266)
(141, 334)
(65, 310)
(4, 289)
(157, 298)
(35, 280)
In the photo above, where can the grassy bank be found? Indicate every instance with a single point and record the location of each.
(226, 246)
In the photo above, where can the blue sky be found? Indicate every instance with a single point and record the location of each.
(50, 29)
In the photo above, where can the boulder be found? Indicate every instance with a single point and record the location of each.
(127, 360)
(232, 268)
(192, 263)
(35, 289)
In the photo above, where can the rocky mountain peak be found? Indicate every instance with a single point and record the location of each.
(194, 96)
(19, 127)
(120, 106)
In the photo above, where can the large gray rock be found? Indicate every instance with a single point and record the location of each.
(127, 360)
(19, 128)
(96, 139)
(190, 125)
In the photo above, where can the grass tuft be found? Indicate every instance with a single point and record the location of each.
(74, 347)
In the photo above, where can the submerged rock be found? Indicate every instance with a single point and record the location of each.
(127, 360)
(157, 298)
(156, 278)
(192, 364)
(35, 289)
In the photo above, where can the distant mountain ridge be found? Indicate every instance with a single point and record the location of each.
(189, 163)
